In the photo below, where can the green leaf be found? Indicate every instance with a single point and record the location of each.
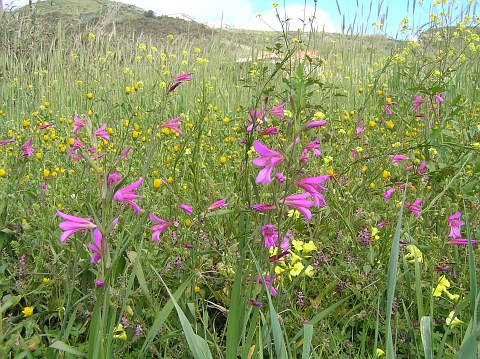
(307, 340)
(426, 332)
(59, 345)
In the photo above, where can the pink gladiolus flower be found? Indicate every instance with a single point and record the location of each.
(99, 247)
(158, 228)
(218, 204)
(270, 237)
(180, 79)
(300, 203)
(77, 124)
(462, 241)
(269, 159)
(455, 224)
(100, 132)
(312, 186)
(313, 124)
(77, 144)
(173, 124)
(72, 225)
(360, 127)
(125, 152)
(113, 179)
(398, 158)
(270, 131)
(263, 207)
(422, 168)
(313, 146)
(268, 282)
(388, 111)
(388, 193)
(439, 98)
(279, 177)
(255, 303)
(185, 208)
(382, 224)
(47, 125)
(128, 196)
(74, 156)
(417, 102)
(414, 207)
(5, 142)
(278, 111)
(27, 149)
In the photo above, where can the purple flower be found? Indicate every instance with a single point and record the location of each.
(313, 146)
(125, 152)
(77, 124)
(77, 144)
(455, 224)
(388, 193)
(99, 283)
(113, 179)
(72, 225)
(462, 241)
(27, 149)
(47, 125)
(158, 228)
(278, 111)
(180, 79)
(4, 142)
(270, 238)
(269, 159)
(398, 158)
(439, 98)
(218, 204)
(417, 102)
(312, 186)
(300, 203)
(262, 207)
(128, 196)
(279, 177)
(173, 125)
(422, 168)
(185, 208)
(99, 247)
(100, 132)
(270, 131)
(313, 124)
(414, 207)
(255, 303)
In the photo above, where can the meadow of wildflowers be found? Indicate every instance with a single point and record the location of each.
(154, 194)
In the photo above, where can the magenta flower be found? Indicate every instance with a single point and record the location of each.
(72, 225)
(180, 79)
(414, 207)
(279, 177)
(388, 111)
(439, 98)
(270, 238)
(455, 224)
(125, 152)
(185, 208)
(300, 203)
(173, 125)
(27, 149)
(268, 282)
(313, 147)
(388, 193)
(47, 125)
(99, 247)
(77, 124)
(462, 241)
(270, 131)
(128, 196)
(398, 158)
(5, 142)
(269, 159)
(158, 228)
(73, 155)
(417, 102)
(218, 204)
(312, 186)
(100, 132)
(263, 207)
(278, 111)
(313, 124)
(360, 127)
(255, 303)
(77, 144)
(422, 168)
(113, 178)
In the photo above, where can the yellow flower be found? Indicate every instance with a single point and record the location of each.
(2, 172)
(27, 311)
(89, 95)
(157, 183)
(293, 213)
(46, 280)
(442, 285)
(297, 245)
(188, 223)
(413, 254)
(223, 160)
(380, 352)
(309, 247)
(451, 321)
(196, 289)
(297, 268)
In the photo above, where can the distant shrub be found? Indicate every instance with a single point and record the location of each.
(149, 13)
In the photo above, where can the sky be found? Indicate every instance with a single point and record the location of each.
(352, 16)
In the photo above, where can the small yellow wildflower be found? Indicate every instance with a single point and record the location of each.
(45, 280)
(89, 95)
(157, 182)
(451, 321)
(27, 311)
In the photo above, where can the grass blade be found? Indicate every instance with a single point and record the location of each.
(59, 345)
(426, 332)
(307, 340)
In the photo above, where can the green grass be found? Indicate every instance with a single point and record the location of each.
(360, 276)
